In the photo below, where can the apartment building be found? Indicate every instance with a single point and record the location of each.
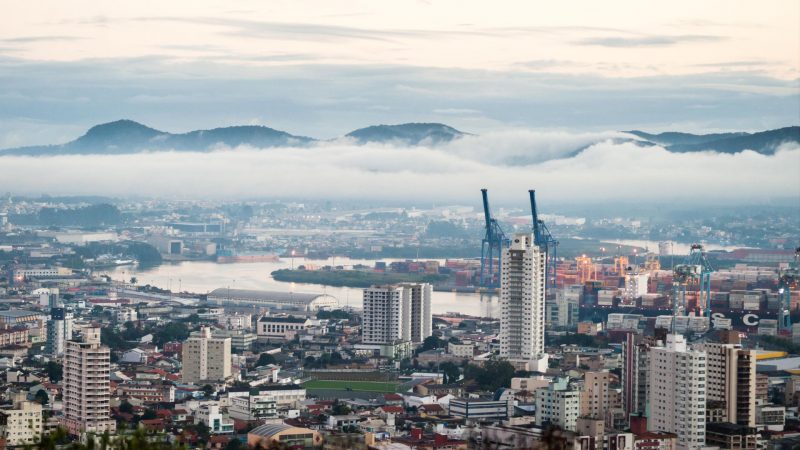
(86, 385)
(677, 392)
(522, 300)
(205, 357)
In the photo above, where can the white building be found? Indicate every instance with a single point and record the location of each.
(21, 423)
(126, 315)
(522, 298)
(86, 385)
(281, 327)
(284, 395)
(59, 331)
(558, 404)
(210, 416)
(397, 313)
(206, 358)
(635, 287)
(677, 392)
(236, 321)
(253, 407)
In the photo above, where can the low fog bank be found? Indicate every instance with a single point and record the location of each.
(562, 166)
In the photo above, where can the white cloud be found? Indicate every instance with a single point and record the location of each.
(605, 171)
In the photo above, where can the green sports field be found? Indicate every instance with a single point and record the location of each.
(362, 386)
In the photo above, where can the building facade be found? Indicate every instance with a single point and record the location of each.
(558, 404)
(397, 313)
(732, 380)
(635, 373)
(522, 299)
(86, 385)
(205, 357)
(677, 392)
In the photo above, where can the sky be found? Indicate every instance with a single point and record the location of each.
(324, 68)
(532, 81)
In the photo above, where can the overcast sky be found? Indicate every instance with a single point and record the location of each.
(324, 68)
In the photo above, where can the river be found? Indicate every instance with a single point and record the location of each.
(200, 277)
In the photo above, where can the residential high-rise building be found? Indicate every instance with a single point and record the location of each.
(558, 404)
(595, 396)
(522, 299)
(59, 326)
(732, 379)
(677, 392)
(635, 370)
(205, 357)
(418, 323)
(397, 313)
(86, 385)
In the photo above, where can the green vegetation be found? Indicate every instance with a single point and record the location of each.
(362, 386)
(335, 314)
(352, 278)
(492, 376)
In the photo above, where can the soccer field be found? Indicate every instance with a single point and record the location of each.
(362, 386)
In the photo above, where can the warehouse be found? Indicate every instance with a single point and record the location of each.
(272, 299)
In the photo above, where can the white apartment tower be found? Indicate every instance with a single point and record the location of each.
(86, 385)
(522, 299)
(205, 357)
(397, 313)
(677, 392)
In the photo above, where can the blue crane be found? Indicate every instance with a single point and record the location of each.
(491, 247)
(695, 269)
(545, 241)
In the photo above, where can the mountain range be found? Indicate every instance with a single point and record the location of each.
(127, 136)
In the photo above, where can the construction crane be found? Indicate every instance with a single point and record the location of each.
(546, 242)
(491, 247)
(788, 281)
(695, 269)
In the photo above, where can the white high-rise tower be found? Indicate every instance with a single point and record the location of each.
(522, 295)
(397, 313)
(677, 392)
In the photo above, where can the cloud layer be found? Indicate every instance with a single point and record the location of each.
(562, 167)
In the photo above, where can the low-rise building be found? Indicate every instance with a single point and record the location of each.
(21, 423)
(253, 407)
(282, 328)
(210, 416)
(481, 409)
(286, 435)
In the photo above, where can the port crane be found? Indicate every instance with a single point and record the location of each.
(545, 241)
(695, 269)
(491, 247)
(788, 280)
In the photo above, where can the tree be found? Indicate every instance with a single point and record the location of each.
(493, 375)
(340, 409)
(450, 371)
(234, 444)
(126, 407)
(208, 390)
(41, 397)
(432, 342)
(54, 371)
(265, 359)
(134, 280)
(173, 331)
